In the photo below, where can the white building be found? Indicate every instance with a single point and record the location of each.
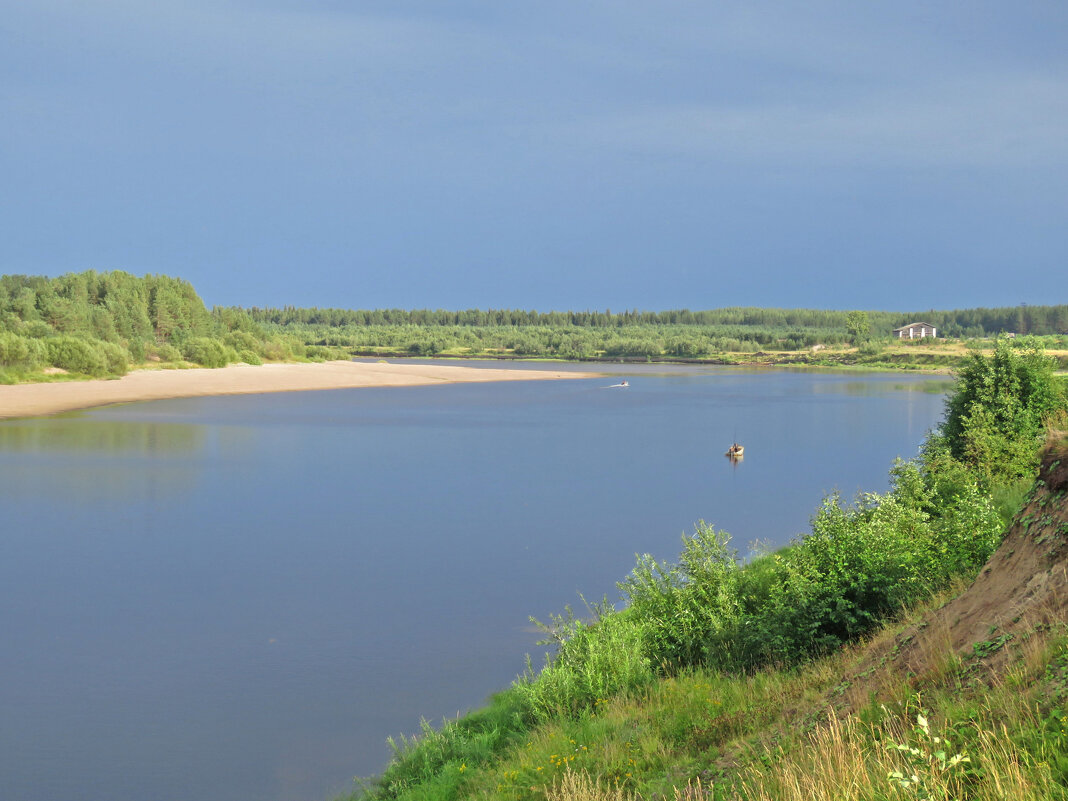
(915, 331)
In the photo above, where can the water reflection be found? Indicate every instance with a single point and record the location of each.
(76, 458)
(74, 433)
(870, 388)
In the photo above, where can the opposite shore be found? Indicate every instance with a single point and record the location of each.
(31, 400)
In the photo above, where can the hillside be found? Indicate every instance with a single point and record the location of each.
(987, 669)
(964, 700)
(1023, 589)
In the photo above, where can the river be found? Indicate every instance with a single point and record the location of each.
(239, 598)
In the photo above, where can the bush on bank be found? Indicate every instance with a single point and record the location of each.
(87, 357)
(20, 352)
(208, 352)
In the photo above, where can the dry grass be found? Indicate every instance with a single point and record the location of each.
(580, 786)
(694, 791)
(899, 757)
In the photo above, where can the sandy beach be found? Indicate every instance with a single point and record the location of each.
(29, 400)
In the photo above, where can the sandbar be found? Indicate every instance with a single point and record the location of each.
(31, 400)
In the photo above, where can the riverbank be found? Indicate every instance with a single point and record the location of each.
(30, 400)
(937, 356)
(759, 359)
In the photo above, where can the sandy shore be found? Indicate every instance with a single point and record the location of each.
(27, 400)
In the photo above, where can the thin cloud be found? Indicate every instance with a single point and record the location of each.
(1003, 122)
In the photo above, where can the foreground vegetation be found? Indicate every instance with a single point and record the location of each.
(730, 680)
(101, 324)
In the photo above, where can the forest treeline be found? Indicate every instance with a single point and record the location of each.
(729, 334)
(101, 323)
(960, 323)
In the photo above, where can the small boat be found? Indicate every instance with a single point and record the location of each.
(735, 451)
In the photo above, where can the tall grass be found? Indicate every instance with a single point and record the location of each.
(902, 756)
(580, 786)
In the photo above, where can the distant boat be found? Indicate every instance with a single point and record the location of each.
(735, 451)
(622, 383)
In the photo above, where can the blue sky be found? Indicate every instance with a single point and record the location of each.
(542, 155)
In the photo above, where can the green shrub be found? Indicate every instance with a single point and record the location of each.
(319, 353)
(634, 347)
(687, 608)
(208, 352)
(683, 346)
(871, 348)
(116, 358)
(281, 349)
(250, 357)
(435, 345)
(21, 352)
(168, 353)
(242, 341)
(37, 329)
(595, 661)
(858, 566)
(76, 356)
(994, 417)
(862, 564)
(136, 348)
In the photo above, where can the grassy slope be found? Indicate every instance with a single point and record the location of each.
(965, 697)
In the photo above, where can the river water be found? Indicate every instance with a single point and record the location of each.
(239, 598)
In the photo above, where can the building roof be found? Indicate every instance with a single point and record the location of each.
(915, 325)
